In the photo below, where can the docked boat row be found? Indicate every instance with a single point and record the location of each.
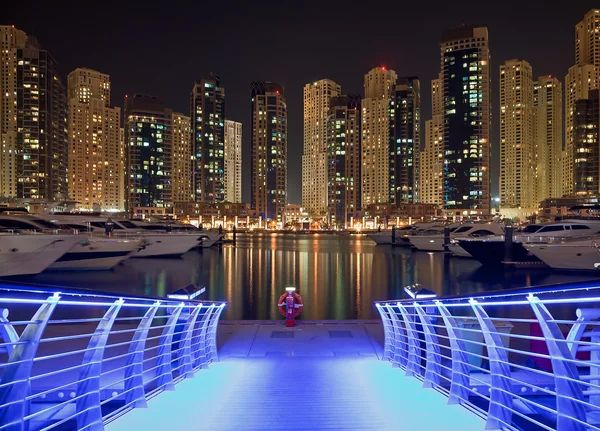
(571, 244)
(32, 244)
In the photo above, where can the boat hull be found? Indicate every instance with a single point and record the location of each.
(381, 238)
(96, 255)
(167, 245)
(568, 257)
(427, 243)
(491, 253)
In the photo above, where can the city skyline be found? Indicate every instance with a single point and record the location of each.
(410, 50)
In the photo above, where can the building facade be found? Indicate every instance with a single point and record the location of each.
(269, 150)
(148, 154)
(431, 159)
(465, 60)
(375, 117)
(12, 41)
(181, 172)
(96, 175)
(343, 159)
(207, 107)
(33, 121)
(405, 140)
(548, 137)
(586, 146)
(517, 147)
(233, 161)
(314, 160)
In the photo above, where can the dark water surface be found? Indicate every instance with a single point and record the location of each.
(338, 277)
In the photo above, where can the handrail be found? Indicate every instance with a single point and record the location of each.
(522, 359)
(75, 358)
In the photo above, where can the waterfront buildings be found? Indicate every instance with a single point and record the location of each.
(233, 161)
(343, 158)
(96, 167)
(379, 85)
(465, 79)
(33, 120)
(580, 79)
(181, 180)
(405, 142)
(314, 160)
(207, 107)
(148, 154)
(431, 159)
(586, 142)
(517, 147)
(269, 150)
(548, 137)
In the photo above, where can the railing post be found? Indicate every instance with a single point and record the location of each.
(134, 381)
(433, 368)
(568, 391)
(211, 340)
(198, 347)
(18, 369)
(400, 347)
(164, 370)
(388, 332)
(414, 356)
(7, 332)
(184, 352)
(460, 380)
(88, 388)
(501, 400)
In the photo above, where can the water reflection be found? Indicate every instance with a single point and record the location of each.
(338, 277)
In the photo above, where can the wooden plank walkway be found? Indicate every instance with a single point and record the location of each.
(340, 385)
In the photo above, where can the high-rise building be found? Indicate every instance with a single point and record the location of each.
(269, 150)
(578, 83)
(375, 117)
(314, 161)
(181, 183)
(11, 42)
(517, 146)
(148, 140)
(96, 173)
(431, 160)
(33, 120)
(580, 79)
(548, 137)
(343, 159)
(405, 140)
(465, 59)
(233, 161)
(207, 108)
(586, 145)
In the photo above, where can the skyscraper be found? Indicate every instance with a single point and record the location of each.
(343, 158)
(586, 145)
(207, 108)
(405, 140)
(181, 182)
(580, 79)
(33, 120)
(148, 140)
(548, 136)
(269, 150)
(233, 161)
(517, 147)
(95, 153)
(379, 84)
(465, 77)
(12, 41)
(314, 161)
(431, 160)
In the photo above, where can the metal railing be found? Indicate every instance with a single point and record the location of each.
(77, 359)
(523, 359)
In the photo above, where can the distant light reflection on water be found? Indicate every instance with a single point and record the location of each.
(338, 277)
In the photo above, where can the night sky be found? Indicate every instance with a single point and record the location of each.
(159, 48)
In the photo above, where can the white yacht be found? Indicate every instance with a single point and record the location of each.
(382, 237)
(30, 254)
(491, 250)
(88, 252)
(435, 240)
(156, 242)
(209, 237)
(574, 254)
